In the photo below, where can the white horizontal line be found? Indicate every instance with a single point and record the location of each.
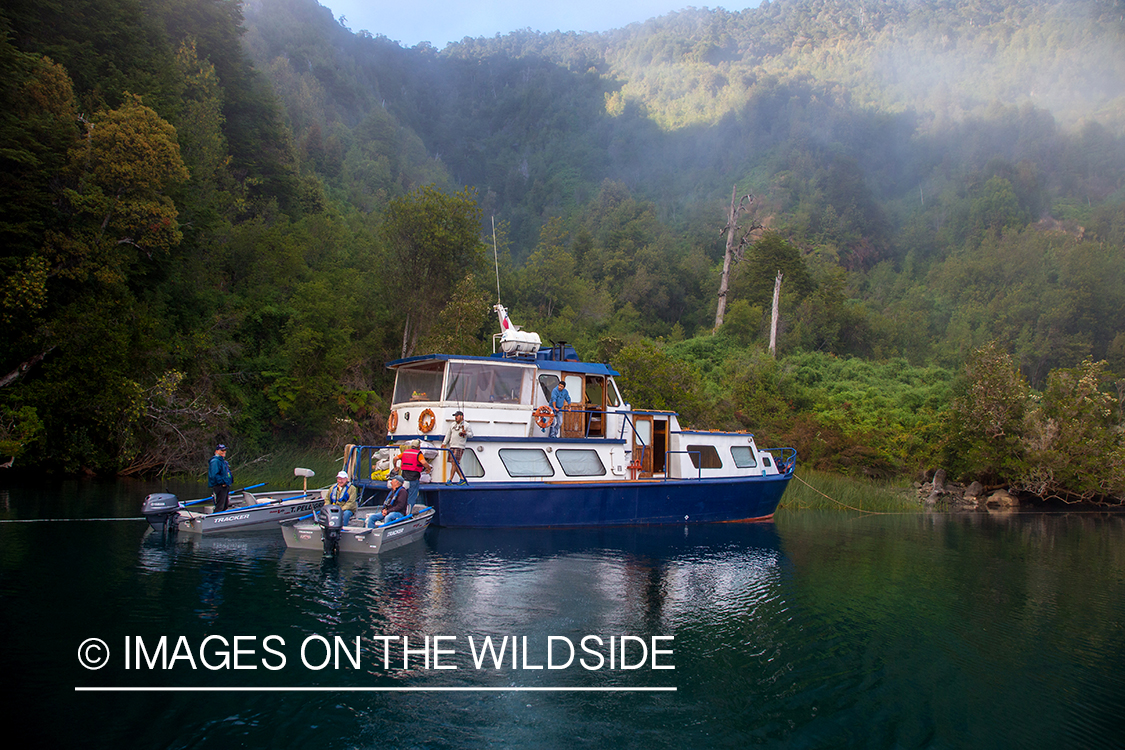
(56, 520)
(375, 689)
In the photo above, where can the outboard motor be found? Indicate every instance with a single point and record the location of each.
(331, 519)
(160, 510)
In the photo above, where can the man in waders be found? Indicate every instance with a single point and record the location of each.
(219, 478)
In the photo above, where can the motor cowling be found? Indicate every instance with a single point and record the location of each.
(160, 510)
(331, 519)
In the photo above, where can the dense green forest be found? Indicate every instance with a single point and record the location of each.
(221, 219)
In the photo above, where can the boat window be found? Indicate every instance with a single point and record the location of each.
(766, 461)
(526, 462)
(595, 391)
(574, 388)
(576, 463)
(419, 383)
(482, 382)
(743, 456)
(548, 382)
(611, 397)
(704, 457)
(470, 465)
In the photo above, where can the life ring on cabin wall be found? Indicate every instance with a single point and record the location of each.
(392, 422)
(426, 420)
(544, 416)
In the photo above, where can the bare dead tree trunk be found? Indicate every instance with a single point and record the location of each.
(736, 246)
(775, 316)
(20, 371)
(724, 280)
(405, 335)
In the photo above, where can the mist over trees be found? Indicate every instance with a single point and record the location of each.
(215, 220)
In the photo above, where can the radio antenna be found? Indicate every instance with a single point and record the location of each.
(496, 259)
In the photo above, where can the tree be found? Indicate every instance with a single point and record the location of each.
(460, 323)
(550, 277)
(1074, 439)
(988, 415)
(769, 255)
(118, 204)
(434, 241)
(736, 245)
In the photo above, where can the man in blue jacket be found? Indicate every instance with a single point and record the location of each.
(559, 398)
(219, 478)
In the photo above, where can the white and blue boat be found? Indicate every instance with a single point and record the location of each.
(610, 465)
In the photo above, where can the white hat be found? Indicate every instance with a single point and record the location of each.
(342, 475)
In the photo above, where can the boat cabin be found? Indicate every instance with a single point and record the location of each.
(504, 399)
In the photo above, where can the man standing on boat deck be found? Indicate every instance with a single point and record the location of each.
(459, 434)
(219, 478)
(559, 399)
(343, 494)
(412, 463)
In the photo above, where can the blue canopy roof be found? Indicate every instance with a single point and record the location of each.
(545, 363)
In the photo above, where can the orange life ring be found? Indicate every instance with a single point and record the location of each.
(426, 420)
(392, 422)
(544, 416)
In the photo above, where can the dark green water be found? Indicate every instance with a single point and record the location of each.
(821, 631)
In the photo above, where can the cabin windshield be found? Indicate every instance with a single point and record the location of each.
(485, 382)
(421, 383)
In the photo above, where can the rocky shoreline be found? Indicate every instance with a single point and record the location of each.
(937, 493)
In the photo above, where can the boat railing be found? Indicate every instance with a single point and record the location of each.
(456, 464)
(785, 459)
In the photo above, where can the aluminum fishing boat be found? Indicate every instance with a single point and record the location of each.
(327, 533)
(165, 513)
(609, 465)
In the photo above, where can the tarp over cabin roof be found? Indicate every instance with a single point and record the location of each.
(586, 368)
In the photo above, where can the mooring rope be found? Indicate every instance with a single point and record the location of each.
(56, 520)
(842, 505)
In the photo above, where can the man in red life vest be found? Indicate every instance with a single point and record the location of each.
(412, 463)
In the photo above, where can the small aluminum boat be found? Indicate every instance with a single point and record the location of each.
(327, 533)
(165, 513)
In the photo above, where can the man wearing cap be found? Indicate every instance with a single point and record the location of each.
(412, 463)
(459, 433)
(343, 494)
(219, 478)
(394, 507)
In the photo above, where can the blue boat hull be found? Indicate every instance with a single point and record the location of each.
(591, 504)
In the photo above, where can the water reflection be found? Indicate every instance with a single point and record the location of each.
(828, 630)
(519, 584)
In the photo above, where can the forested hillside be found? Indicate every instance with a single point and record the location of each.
(215, 216)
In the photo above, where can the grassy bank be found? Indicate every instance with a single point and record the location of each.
(276, 469)
(816, 490)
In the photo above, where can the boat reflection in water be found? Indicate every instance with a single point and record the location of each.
(530, 585)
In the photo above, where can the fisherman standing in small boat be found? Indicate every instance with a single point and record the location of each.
(412, 463)
(343, 494)
(459, 434)
(219, 478)
(559, 399)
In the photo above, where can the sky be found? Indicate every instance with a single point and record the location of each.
(442, 21)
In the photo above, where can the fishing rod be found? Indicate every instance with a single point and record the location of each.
(212, 497)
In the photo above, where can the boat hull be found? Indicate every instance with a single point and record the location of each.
(590, 504)
(260, 516)
(361, 540)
